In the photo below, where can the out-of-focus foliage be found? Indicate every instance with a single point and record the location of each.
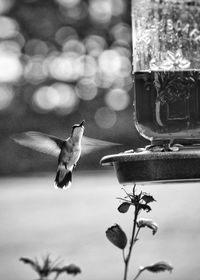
(62, 61)
(48, 267)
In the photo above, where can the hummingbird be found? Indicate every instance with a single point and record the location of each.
(67, 151)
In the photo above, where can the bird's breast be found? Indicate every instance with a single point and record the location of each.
(70, 154)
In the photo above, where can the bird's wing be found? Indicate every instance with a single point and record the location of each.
(90, 144)
(40, 142)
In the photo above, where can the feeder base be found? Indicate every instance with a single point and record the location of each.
(148, 166)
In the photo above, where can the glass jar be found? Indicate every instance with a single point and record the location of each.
(166, 69)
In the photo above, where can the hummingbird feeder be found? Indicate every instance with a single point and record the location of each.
(166, 72)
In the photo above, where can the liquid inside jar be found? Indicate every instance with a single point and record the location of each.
(167, 104)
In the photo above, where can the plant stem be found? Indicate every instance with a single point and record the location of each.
(123, 254)
(135, 239)
(132, 242)
(138, 274)
(56, 276)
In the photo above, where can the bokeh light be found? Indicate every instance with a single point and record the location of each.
(88, 62)
(117, 99)
(8, 27)
(122, 33)
(46, 98)
(68, 99)
(20, 40)
(100, 10)
(72, 10)
(10, 67)
(5, 5)
(74, 45)
(118, 7)
(10, 46)
(65, 33)
(66, 67)
(68, 3)
(59, 97)
(110, 62)
(95, 45)
(86, 89)
(88, 59)
(105, 117)
(90, 66)
(35, 71)
(36, 47)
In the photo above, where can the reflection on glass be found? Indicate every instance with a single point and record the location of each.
(166, 61)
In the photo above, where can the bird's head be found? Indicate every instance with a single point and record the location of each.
(78, 129)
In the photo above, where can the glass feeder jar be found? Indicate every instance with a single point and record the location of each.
(166, 72)
(166, 69)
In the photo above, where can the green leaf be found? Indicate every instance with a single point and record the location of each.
(123, 208)
(117, 236)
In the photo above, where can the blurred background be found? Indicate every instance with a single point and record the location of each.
(62, 61)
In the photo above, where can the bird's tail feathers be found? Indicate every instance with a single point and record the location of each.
(63, 178)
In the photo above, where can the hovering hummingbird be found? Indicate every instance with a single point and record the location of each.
(68, 151)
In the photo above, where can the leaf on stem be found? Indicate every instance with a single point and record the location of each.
(34, 264)
(48, 266)
(147, 223)
(123, 208)
(158, 267)
(71, 269)
(144, 207)
(27, 261)
(117, 236)
(148, 198)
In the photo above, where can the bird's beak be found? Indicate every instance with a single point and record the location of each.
(82, 123)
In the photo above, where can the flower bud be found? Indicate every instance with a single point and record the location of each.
(158, 267)
(147, 223)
